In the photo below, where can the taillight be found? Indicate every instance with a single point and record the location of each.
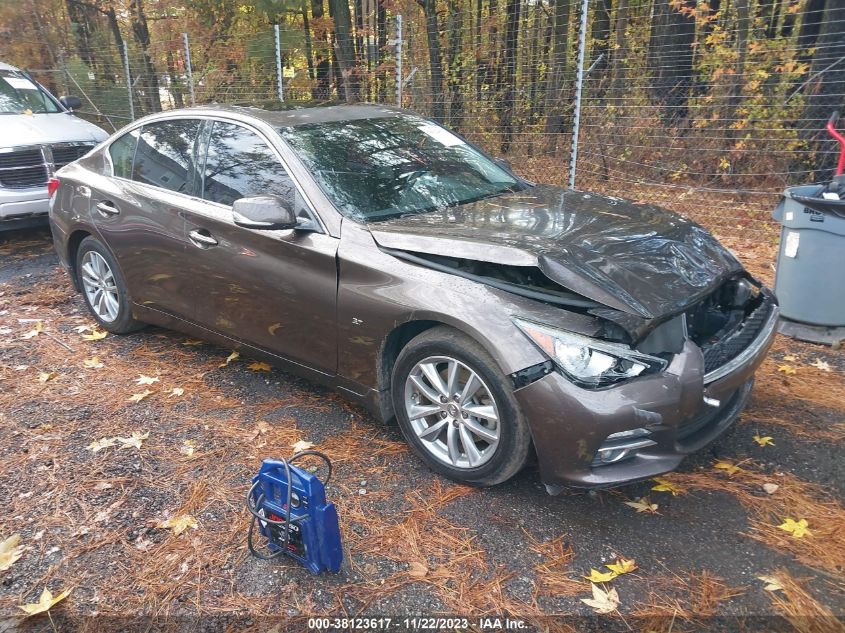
(52, 185)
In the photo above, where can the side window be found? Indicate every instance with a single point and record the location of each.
(122, 151)
(239, 164)
(165, 155)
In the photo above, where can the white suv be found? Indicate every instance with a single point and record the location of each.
(38, 135)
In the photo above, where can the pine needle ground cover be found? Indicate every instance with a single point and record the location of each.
(124, 462)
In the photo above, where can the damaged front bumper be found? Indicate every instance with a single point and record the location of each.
(643, 427)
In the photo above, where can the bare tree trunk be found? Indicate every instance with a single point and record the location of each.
(344, 47)
(508, 76)
(138, 20)
(309, 48)
(670, 54)
(620, 52)
(455, 65)
(432, 29)
(555, 83)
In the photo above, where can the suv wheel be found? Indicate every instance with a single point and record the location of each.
(456, 409)
(103, 287)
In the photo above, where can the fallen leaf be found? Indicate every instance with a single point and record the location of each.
(599, 576)
(820, 364)
(106, 442)
(135, 440)
(83, 328)
(765, 440)
(417, 570)
(664, 485)
(92, 363)
(44, 376)
(191, 342)
(790, 358)
(178, 524)
(770, 488)
(787, 369)
(729, 468)
(602, 601)
(146, 380)
(137, 397)
(176, 391)
(259, 367)
(797, 528)
(96, 335)
(39, 327)
(622, 566)
(272, 329)
(230, 358)
(772, 583)
(643, 504)
(187, 448)
(45, 602)
(10, 551)
(301, 445)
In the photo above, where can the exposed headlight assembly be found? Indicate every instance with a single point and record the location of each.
(589, 362)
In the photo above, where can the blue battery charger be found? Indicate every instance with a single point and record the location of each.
(288, 505)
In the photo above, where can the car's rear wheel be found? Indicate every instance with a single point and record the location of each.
(456, 409)
(103, 287)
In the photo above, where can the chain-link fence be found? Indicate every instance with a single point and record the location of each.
(710, 110)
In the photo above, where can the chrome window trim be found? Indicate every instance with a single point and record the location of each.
(254, 125)
(745, 355)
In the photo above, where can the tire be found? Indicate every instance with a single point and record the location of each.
(413, 387)
(94, 264)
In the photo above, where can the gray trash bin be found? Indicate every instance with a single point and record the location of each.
(810, 279)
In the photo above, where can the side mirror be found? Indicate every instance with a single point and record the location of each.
(263, 212)
(71, 103)
(505, 163)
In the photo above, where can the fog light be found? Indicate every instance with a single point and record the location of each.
(621, 446)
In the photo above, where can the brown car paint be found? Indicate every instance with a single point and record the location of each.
(331, 305)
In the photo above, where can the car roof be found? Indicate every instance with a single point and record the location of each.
(299, 116)
(4, 66)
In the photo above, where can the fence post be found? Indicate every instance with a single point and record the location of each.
(128, 81)
(399, 60)
(579, 87)
(279, 75)
(188, 69)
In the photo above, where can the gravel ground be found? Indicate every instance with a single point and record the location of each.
(414, 543)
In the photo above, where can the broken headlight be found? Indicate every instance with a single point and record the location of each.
(588, 361)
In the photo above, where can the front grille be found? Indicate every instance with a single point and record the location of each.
(64, 154)
(21, 158)
(23, 169)
(730, 345)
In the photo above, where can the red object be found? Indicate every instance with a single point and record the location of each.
(52, 185)
(831, 128)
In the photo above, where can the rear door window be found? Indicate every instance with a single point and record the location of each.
(122, 153)
(166, 154)
(240, 164)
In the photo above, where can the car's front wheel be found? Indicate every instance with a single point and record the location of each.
(456, 409)
(103, 287)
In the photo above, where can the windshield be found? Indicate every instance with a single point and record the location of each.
(19, 95)
(375, 169)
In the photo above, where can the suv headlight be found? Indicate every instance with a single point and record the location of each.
(587, 361)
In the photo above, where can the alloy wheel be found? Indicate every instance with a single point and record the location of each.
(452, 411)
(100, 286)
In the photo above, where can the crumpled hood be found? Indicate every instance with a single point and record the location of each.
(631, 257)
(44, 129)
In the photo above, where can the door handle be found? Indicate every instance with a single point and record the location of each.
(202, 238)
(107, 208)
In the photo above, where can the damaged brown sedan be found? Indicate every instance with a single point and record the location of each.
(372, 250)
